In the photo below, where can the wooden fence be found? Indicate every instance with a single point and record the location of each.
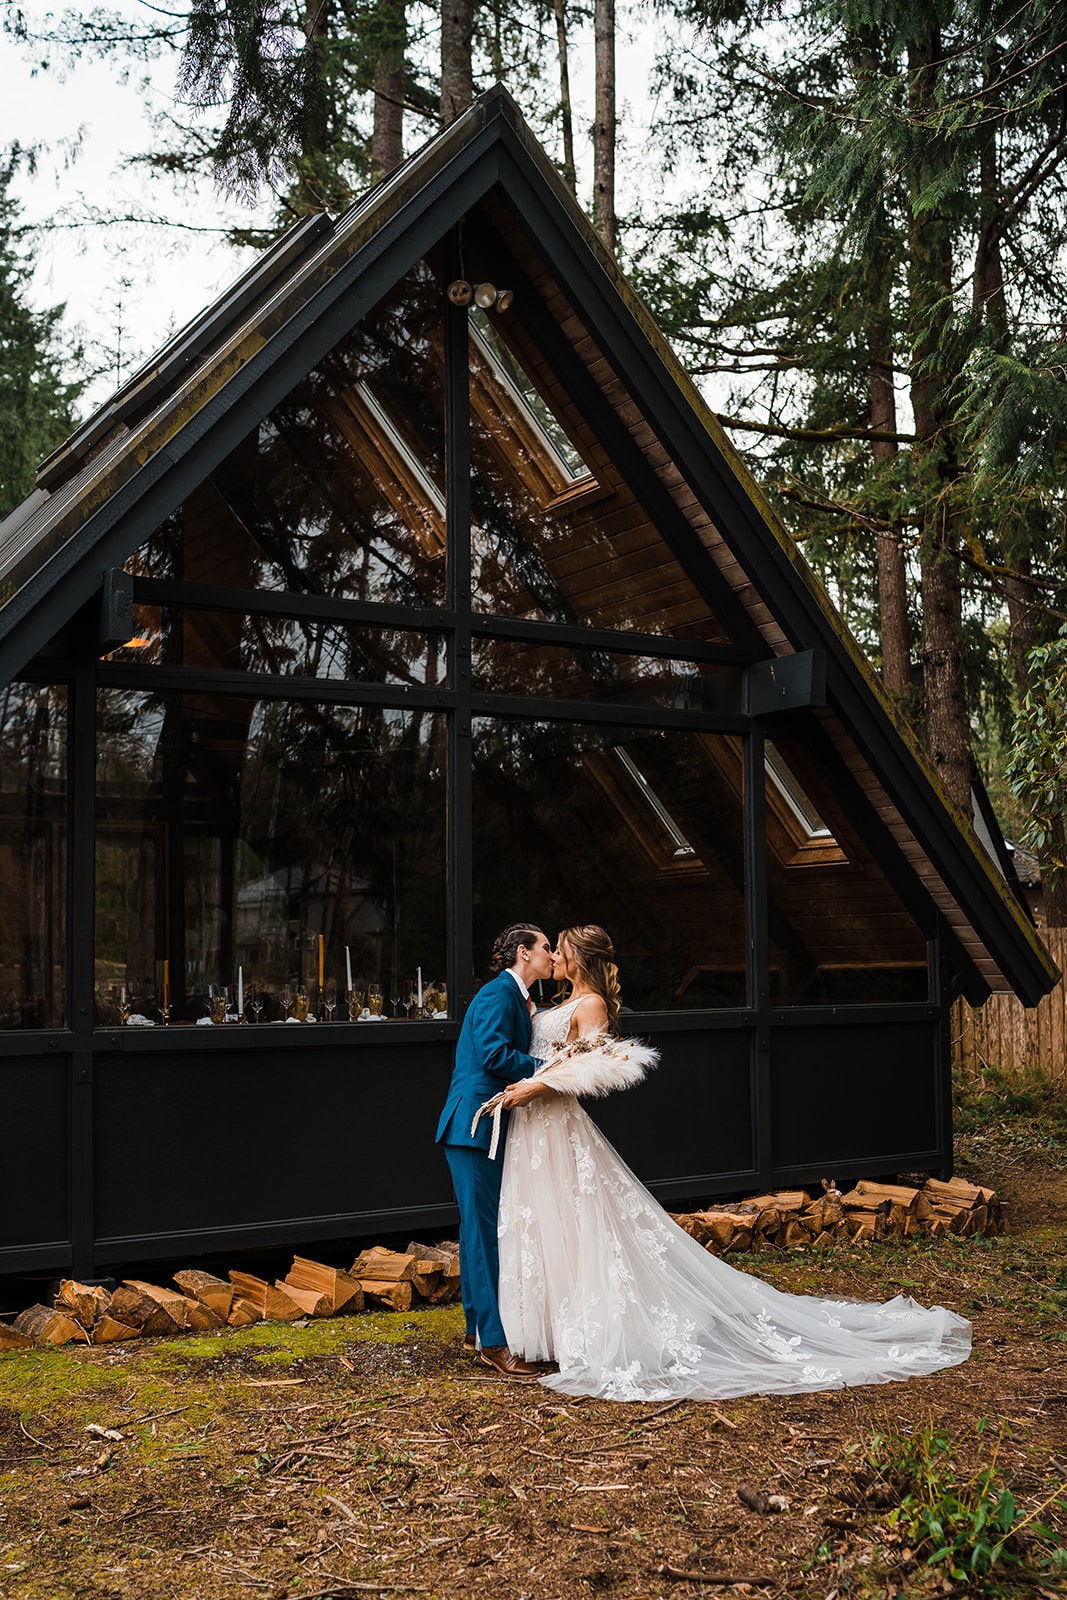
(1006, 1034)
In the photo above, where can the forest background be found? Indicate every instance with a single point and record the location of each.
(849, 216)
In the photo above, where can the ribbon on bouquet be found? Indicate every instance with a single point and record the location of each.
(492, 1108)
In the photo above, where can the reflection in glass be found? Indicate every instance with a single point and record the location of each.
(33, 853)
(340, 491)
(507, 666)
(498, 368)
(232, 833)
(551, 541)
(283, 646)
(839, 933)
(640, 830)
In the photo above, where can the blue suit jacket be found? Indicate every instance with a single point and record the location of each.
(490, 1054)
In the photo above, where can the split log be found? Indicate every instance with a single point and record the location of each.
(273, 1305)
(202, 1318)
(384, 1266)
(174, 1304)
(825, 1212)
(12, 1339)
(445, 1254)
(957, 1191)
(84, 1302)
(46, 1325)
(209, 1290)
(898, 1194)
(446, 1291)
(822, 1241)
(397, 1295)
(782, 1200)
(790, 1234)
(427, 1277)
(139, 1310)
(108, 1330)
(691, 1223)
(243, 1313)
(342, 1290)
(310, 1301)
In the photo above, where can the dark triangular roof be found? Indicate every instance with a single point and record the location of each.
(166, 429)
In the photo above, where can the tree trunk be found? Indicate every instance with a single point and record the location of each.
(457, 73)
(892, 573)
(937, 467)
(566, 112)
(604, 121)
(387, 137)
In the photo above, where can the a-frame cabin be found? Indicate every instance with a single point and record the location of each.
(365, 620)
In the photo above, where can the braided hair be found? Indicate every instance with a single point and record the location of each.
(594, 956)
(507, 944)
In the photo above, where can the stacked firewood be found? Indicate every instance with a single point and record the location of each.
(789, 1218)
(423, 1274)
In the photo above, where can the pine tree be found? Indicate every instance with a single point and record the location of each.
(868, 172)
(36, 399)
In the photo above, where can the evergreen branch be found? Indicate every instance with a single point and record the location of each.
(817, 435)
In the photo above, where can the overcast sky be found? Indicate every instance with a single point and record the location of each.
(145, 280)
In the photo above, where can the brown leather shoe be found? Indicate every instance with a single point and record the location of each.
(470, 1344)
(501, 1359)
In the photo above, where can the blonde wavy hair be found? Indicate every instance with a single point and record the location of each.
(594, 956)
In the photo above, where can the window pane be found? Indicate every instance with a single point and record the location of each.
(638, 830)
(507, 666)
(33, 856)
(839, 933)
(231, 834)
(550, 546)
(283, 646)
(341, 490)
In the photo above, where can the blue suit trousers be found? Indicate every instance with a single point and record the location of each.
(476, 1181)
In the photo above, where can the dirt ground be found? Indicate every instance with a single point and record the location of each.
(367, 1455)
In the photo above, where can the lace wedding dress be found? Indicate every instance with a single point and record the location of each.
(595, 1276)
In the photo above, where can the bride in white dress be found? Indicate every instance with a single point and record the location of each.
(596, 1277)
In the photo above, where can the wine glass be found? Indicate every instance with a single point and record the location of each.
(394, 995)
(409, 998)
(255, 1001)
(329, 999)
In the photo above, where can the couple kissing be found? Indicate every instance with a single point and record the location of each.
(572, 1274)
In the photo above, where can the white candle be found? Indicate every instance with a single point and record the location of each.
(240, 991)
(420, 988)
(122, 995)
(348, 968)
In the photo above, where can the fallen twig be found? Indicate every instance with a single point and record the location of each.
(686, 1575)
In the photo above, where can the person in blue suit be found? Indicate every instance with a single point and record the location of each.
(490, 1054)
